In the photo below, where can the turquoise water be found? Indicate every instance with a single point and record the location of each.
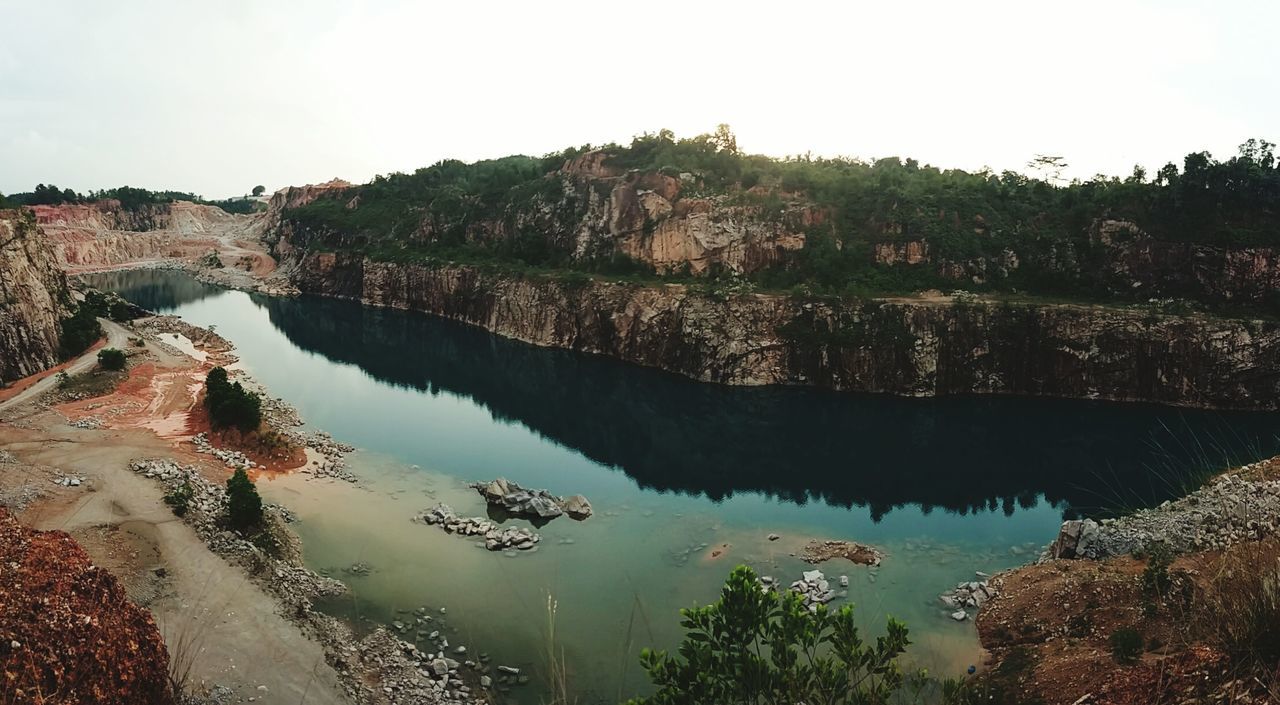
(674, 469)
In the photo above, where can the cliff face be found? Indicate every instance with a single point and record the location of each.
(587, 211)
(908, 346)
(33, 298)
(1124, 258)
(103, 235)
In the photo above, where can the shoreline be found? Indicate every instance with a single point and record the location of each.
(377, 668)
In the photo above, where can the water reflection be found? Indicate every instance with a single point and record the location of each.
(669, 433)
(970, 454)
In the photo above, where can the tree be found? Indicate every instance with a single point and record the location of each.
(230, 404)
(111, 359)
(259, 190)
(244, 505)
(79, 331)
(1049, 166)
(759, 646)
(724, 139)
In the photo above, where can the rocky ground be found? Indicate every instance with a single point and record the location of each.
(1233, 507)
(1185, 584)
(68, 633)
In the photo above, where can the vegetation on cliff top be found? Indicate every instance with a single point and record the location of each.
(515, 211)
(129, 197)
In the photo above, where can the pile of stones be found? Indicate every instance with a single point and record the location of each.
(205, 513)
(813, 586)
(970, 594)
(1226, 511)
(534, 504)
(495, 537)
(233, 459)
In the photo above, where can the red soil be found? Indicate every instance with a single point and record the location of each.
(68, 633)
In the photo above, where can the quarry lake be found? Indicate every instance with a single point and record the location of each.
(675, 469)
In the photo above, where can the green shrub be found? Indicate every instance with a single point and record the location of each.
(231, 405)
(755, 646)
(1126, 645)
(111, 359)
(179, 498)
(244, 506)
(79, 331)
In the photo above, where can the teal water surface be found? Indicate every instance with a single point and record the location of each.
(676, 470)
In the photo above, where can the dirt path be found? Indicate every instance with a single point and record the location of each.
(117, 337)
(211, 615)
(235, 635)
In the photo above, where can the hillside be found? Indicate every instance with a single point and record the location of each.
(697, 209)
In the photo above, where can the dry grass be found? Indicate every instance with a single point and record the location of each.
(557, 671)
(1238, 610)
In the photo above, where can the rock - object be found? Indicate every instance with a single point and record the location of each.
(812, 586)
(33, 299)
(913, 348)
(533, 504)
(495, 537)
(1227, 510)
(968, 595)
(820, 551)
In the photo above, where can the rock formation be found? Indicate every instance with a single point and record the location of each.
(33, 298)
(903, 346)
(534, 504)
(103, 235)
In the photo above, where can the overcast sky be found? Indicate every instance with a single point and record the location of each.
(215, 97)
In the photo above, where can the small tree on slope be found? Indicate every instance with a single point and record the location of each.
(244, 506)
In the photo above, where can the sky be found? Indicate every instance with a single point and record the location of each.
(217, 97)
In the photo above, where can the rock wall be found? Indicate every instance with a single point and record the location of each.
(907, 347)
(102, 235)
(33, 298)
(1121, 258)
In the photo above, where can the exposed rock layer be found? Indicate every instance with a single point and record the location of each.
(33, 297)
(103, 235)
(909, 347)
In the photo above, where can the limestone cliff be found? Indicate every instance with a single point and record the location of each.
(905, 346)
(33, 298)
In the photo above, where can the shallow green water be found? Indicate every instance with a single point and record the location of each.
(944, 486)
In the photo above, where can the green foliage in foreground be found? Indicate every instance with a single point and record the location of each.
(230, 404)
(111, 359)
(754, 646)
(244, 506)
(79, 330)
